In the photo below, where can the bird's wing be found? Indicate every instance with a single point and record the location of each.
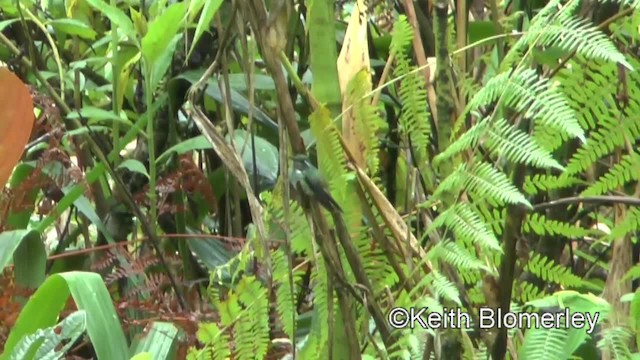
(323, 196)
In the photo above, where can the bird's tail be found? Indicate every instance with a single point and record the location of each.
(329, 203)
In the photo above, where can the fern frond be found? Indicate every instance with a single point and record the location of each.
(467, 226)
(527, 93)
(620, 174)
(299, 232)
(466, 141)
(527, 291)
(252, 329)
(540, 343)
(216, 343)
(570, 33)
(413, 95)
(52, 342)
(540, 225)
(376, 265)
(547, 270)
(444, 287)
(500, 138)
(486, 180)
(482, 181)
(615, 342)
(602, 142)
(321, 299)
(457, 256)
(579, 35)
(628, 225)
(285, 299)
(547, 137)
(581, 82)
(331, 157)
(401, 36)
(545, 182)
(494, 218)
(408, 342)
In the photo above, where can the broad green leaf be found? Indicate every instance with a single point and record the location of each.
(75, 9)
(9, 242)
(574, 300)
(91, 295)
(48, 343)
(143, 356)
(9, 8)
(260, 82)
(323, 53)
(163, 62)
(134, 165)
(549, 56)
(93, 113)
(480, 30)
(195, 143)
(164, 27)
(87, 209)
(266, 155)
(85, 130)
(194, 9)
(139, 22)
(5, 23)
(74, 27)
(238, 101)
(210, 251)
(210, 9)
(30, 261)
(340, 339)
(116, 16)
(266, 158)
(381, 44)
(159, 341)
(125, 73)
(30, 256)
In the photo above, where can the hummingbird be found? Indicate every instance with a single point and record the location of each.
(312, 182)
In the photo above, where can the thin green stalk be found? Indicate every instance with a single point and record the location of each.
(151, 145)
(297, 82)
(52, 44)
(115, 73)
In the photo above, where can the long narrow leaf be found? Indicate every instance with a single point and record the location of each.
(90, 294)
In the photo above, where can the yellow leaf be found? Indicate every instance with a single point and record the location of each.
(139, 22)
(354, 54)
(354, 57)
(125, 76)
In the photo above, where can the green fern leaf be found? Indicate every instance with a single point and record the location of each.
(467, 226)
(620, 174)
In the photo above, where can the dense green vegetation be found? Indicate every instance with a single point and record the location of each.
(473, 157)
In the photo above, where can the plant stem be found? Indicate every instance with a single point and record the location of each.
(151, 145)
(115, 73)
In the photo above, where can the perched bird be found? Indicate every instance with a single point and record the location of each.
(312, 183)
